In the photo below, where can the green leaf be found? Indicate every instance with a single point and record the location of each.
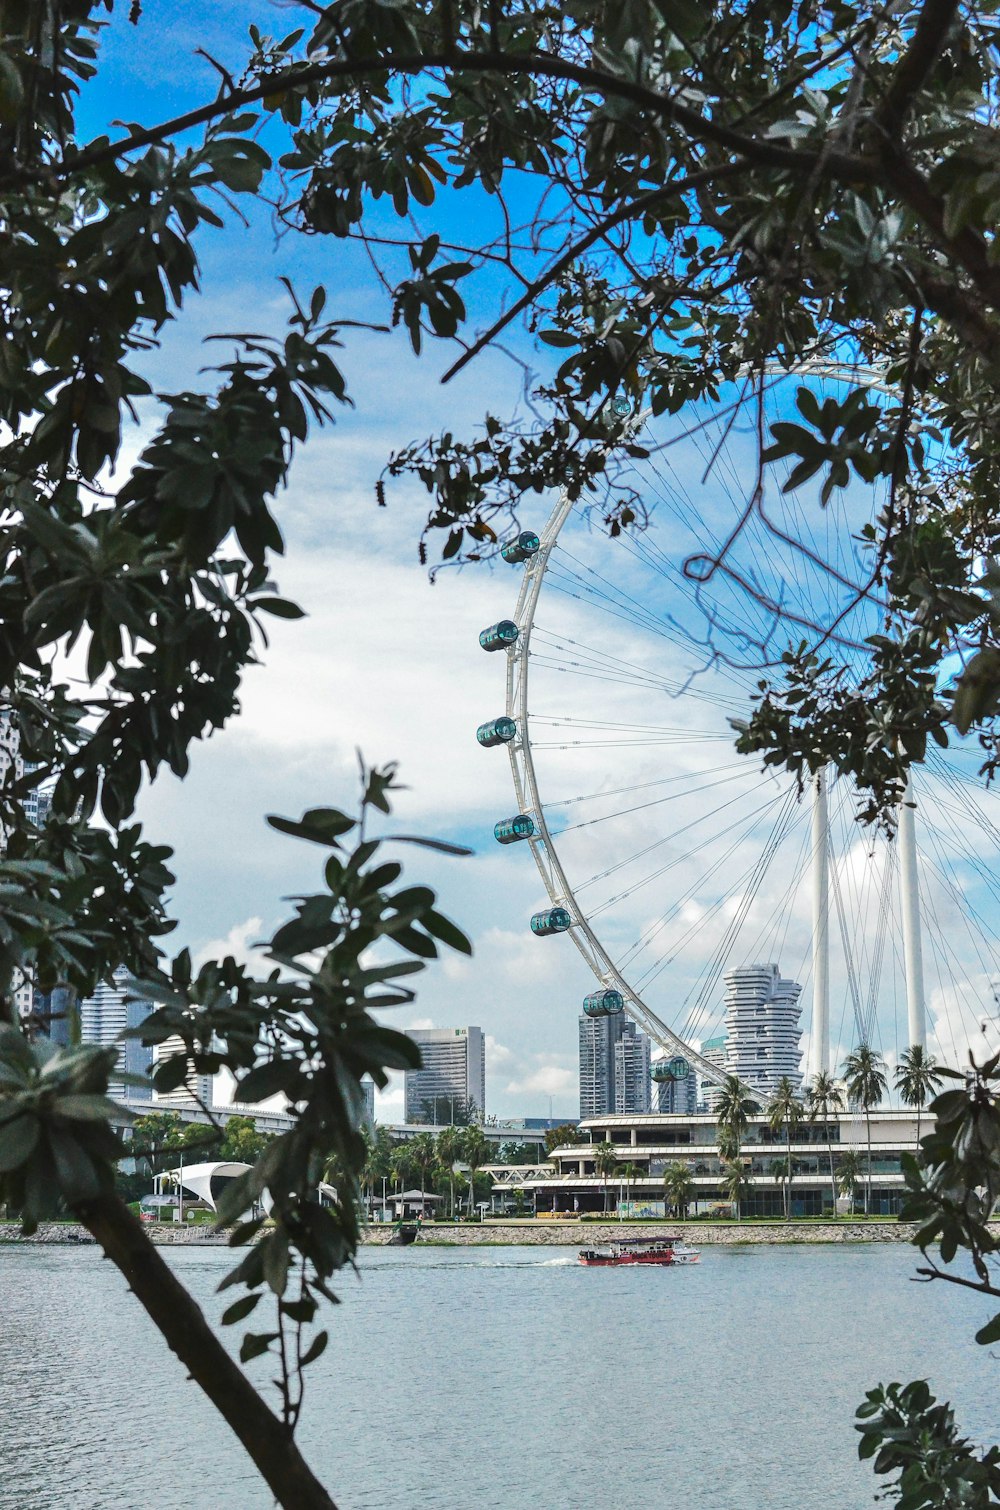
(254, 1344)
(990, 1332)
(18, 1140)
(315, 1348)
(240, 1309)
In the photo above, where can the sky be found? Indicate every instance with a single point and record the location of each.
(389, 664)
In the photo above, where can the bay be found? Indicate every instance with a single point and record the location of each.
(507, 1378)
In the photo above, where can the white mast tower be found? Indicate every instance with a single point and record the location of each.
(821, 927)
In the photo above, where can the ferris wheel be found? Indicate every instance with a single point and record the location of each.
(665, 857)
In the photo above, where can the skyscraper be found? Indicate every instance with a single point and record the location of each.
(762, 1027)
(104, 1017)
(632, 1061)
(453, 1074)
(195, 1090)
(614, 1066)
(679, 1096)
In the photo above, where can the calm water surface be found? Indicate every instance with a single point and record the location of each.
(502, 1378)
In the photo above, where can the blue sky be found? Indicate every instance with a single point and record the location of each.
(387, 663)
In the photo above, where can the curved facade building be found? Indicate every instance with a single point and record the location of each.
(762, 1027)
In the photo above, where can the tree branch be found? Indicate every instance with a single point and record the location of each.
(630, 211)
(761, 151)
(928, 39)
(178, 1317)
(981, 1287)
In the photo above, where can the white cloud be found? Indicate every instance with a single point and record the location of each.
(546, 1080)
(239, 942)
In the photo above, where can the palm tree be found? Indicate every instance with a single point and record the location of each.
(916, 1077)
(785, 1110)
(823, 1099)
(605, 1163)
(735, 1182)
(732, 1112)
(678, 1187)
(776, 1169)
(475, 1152)
(849, 1174)
(423, 1153)
(449, 1150)
(864, 1071)
(629, 1173)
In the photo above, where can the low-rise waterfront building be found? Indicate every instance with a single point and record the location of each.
(653, 1141)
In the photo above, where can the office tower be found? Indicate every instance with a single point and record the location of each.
(452, 1076)
(368, 1090)
(104, 1017)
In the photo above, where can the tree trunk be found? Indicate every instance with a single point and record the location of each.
(177, 1316)
(833, 1182)
(788, 1178)
(868, 1171)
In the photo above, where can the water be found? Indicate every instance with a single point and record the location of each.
(496, 1379)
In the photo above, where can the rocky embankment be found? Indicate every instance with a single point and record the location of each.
(69, 1234)
(698, 1234)
(538, 1233)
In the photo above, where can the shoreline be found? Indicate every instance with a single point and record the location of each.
(528, 1234)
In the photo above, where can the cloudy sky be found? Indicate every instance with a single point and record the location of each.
(662, 832)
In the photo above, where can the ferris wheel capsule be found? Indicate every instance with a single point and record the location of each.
(499, 636)
(521, 548)
(499, 731)
(604, 1004)
(552, 920)
(510, 830)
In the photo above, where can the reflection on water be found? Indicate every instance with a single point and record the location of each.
(503, 1379)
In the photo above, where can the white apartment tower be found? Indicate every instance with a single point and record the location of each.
(453, 1072)
(762, 1027)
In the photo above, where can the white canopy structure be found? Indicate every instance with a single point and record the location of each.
(203, 1182)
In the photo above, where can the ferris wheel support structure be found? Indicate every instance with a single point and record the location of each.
(821, 926)
(529, 801)
(909, 886)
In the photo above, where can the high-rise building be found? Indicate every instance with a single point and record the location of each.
(614, 1066)
(453, 1073)
(368, 1090)
(632, 1062)
(762, 1027)
(714, 1050)
(104, 1017)
(678, 1095)
(195, 1090)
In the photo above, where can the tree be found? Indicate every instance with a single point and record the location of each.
(864, 1072)
(423, 1154)
(849, 1172)
(475, 1150)
(678, 1187)
(562, 1137)
(457, 1111)
(785, 1111)
(916, 1077)
(953, 1187)
(605, 1164)
(242, 1142)
(734, 1106)
(629, 1173)
(824, 1100)
(736, 1182)
(378, 1160)
(449, 1151)
(718, 188)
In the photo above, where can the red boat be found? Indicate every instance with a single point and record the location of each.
(640, 1250)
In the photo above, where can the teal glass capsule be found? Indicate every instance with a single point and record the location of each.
(499, 636)
(604, 1004)
(521, 548)
(499, 731)
(679, 1068)
(510, 830)
(660, 1071)
(553, 920)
